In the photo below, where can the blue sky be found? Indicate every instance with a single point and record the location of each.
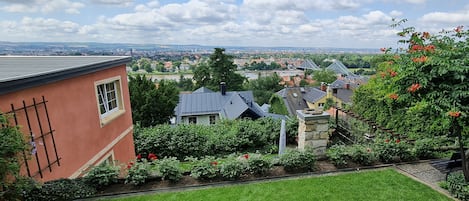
(267, 23)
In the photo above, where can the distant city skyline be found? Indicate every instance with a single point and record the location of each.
(262, 23)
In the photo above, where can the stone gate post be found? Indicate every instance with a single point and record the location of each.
(313, 131)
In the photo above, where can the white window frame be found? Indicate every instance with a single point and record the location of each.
(105, 94)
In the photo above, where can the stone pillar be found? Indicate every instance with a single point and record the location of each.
(313, 131)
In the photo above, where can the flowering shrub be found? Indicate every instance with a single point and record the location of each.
(389, 151)
(233, 167)
(102, 175)
(296, 160)
(170, 169)
(137, 172)
(258, 165)
(205, 169)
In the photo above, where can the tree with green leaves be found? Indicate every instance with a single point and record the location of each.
(422, 90)
(220, 68)
(324, 75)
(264, 87)
(152, 105)
(12, 147)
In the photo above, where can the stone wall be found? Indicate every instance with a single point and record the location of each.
(313, 131)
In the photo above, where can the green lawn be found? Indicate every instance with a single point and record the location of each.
(371, 185)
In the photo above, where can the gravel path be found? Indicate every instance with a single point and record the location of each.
(426, 174)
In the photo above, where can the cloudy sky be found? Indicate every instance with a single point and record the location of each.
(268, 23)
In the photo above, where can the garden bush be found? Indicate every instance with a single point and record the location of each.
(361, 154)
(225, 137)
(233, 167)
(102, 175)
(389, 150)
(296, 160)
(257, 164)
(170, 169)
(62, 189)
(138, 172)
(424, 148)
(205, 168)
(457, 186)
(338, 155)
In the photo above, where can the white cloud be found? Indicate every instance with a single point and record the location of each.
(416, 1)
(44, 6)
(395, 13)
(445, 17)
(124, 3)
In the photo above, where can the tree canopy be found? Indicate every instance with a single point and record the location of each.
(324, 75)
(264, 87)
(219, 68)
(152, 105)
(422, 89)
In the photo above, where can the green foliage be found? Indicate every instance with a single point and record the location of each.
(424, 148)
(205, 168)
(338, 155)
(170, 169)
(257, 164)
(102, 175)
(362, 154)
(264, 87)
(324, 75)
(292, 130)
(341, 154)
(296, 160)
(220, 68)
(12, 145)
(151, 105)
(390, 150)
(277, 105)
(262, 66)
(417, 87)
(457, 186)
(58, 190)
(222, 138)
(185, 84)
(138, 172)
(233, 167)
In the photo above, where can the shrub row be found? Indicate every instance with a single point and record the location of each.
(384, 150)
(225, 137)
(169, 168)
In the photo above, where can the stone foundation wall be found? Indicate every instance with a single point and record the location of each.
(313, 131)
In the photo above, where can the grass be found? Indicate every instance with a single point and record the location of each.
(371, 185)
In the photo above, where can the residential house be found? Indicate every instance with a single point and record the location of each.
(299, 98)
(75, 111)
(204, 106)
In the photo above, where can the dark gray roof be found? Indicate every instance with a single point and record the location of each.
(295, 97)
(339, 68)
(345, 95)
(312, 94)
(230, 106)
(20, 72)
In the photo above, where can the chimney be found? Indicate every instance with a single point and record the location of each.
(323, 86)
(223, 88)
(347, 86)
